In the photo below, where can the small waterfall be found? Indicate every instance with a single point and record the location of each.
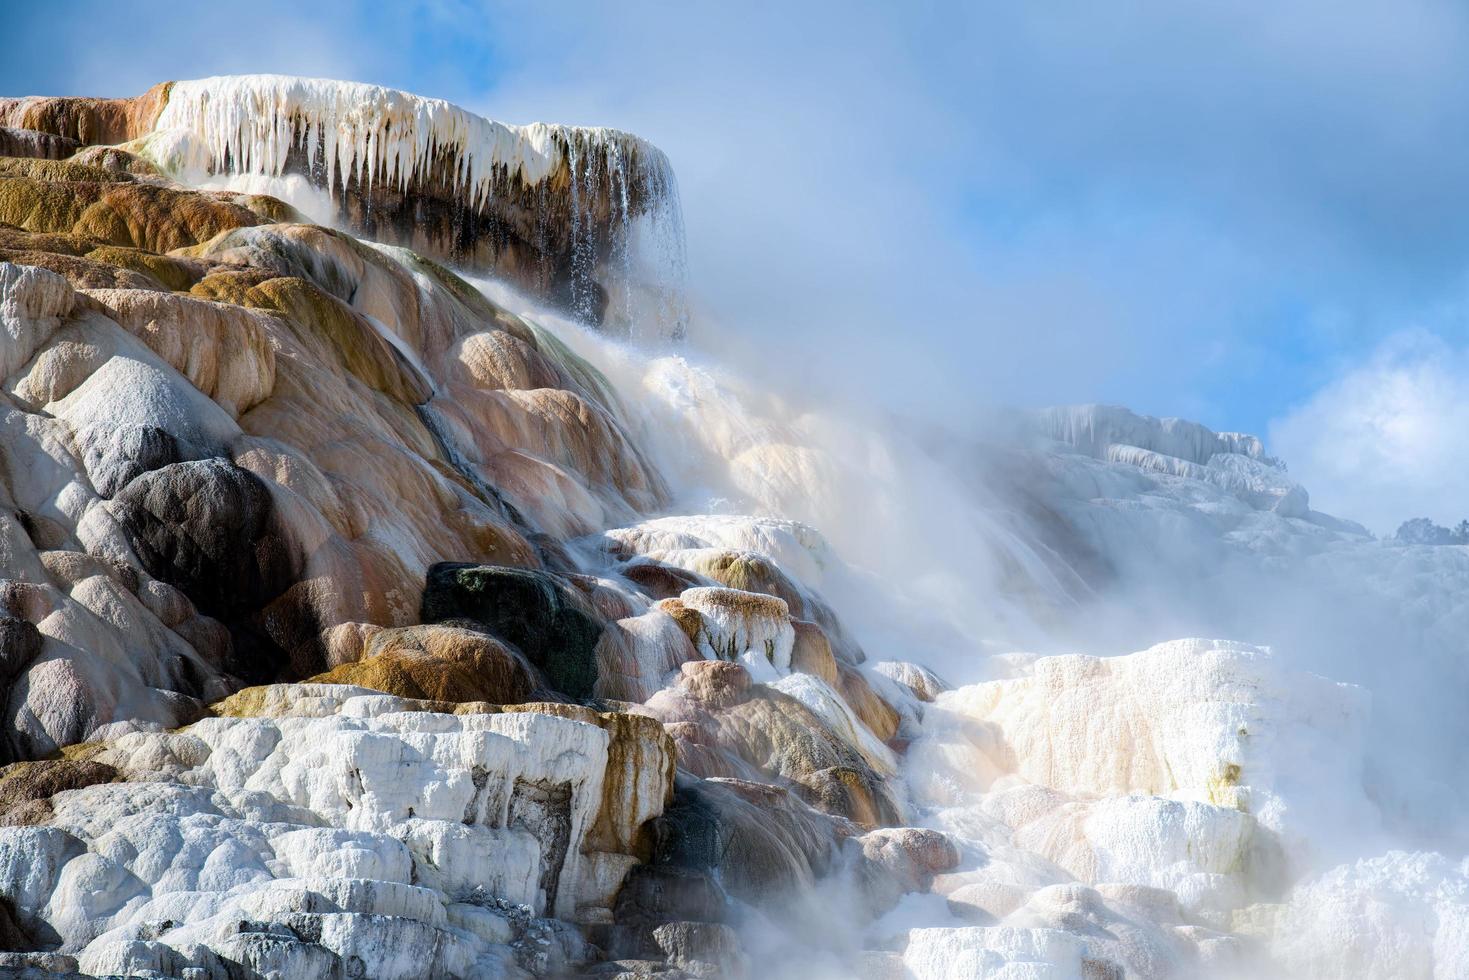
(972, 580)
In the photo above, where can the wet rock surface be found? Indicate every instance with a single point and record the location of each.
(347, 629)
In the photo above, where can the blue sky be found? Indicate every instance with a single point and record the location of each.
(1249, 214)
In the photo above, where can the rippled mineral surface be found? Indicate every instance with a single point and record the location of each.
(370, 607)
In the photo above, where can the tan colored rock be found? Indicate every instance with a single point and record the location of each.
(223, 350)
(916, 853)
(638, 784)
(498, 359)
(729, 624)
(438, 663)
(32, 304)
(812, 654)
(82, 273)
(902, 860)
(637, 654)
(171, 272)
(716, 684)
(117, 159)
(747, 571)
(725, 726)
(87, 120)
(26, 788)
(61, 171)
(848, 792)
(346, 643)
(875, 712)
(658, 580)
(158, 219)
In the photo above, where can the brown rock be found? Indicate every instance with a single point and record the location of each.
(119, 212)
(82, 273)
(660, 580)
(726, 726)
(636, 655)
(439, 663)
(745, 571)
(171, 272)
(715, 683)
(812, 653)
(26, 788)
(639, 778)
(901, 860)
(87, 120)
(875, 713)
(856, 794)
(916, 852)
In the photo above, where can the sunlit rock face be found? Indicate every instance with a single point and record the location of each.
(1198, 720)
(583, 218)
(87, 121)
(1120, 812)
(236, 461)
(727, 726)
(242, 449)
(1232, 461)
(354, 624)
(384, 830)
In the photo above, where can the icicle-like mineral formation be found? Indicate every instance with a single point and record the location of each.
(586, 218)
(576, 215)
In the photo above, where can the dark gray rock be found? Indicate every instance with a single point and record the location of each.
(764, 842)
(703, 949)
(115, 455)
(541, 613)
(12, 937)
(207, 527)
(20, 643)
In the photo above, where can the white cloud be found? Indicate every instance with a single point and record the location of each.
(951, 204)
(954, 204)
(1387, 439)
